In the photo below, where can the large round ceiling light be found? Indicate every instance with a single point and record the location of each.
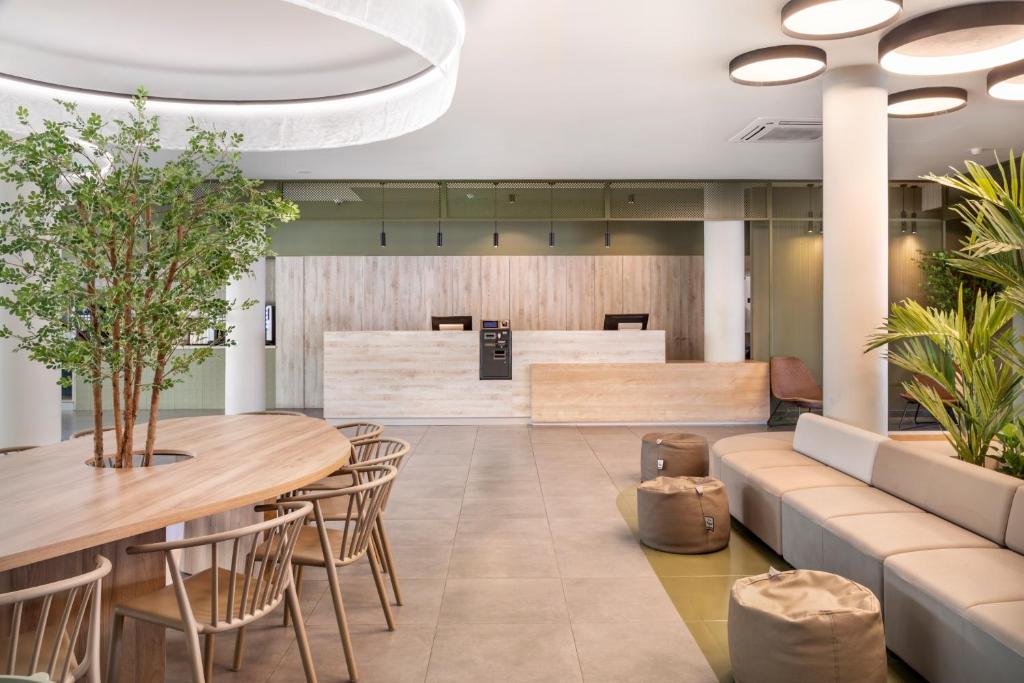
(920, 102)
(955, 40)
(432, 29)
(828, 19)
(778, 65)
(1007, 82)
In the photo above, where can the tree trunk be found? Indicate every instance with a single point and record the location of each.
(154, 409)
(97, 424)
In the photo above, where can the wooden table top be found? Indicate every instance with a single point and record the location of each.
(52, 503)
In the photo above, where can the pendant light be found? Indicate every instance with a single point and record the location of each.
(778, 65)
(810, 208)
(495, 238)
(920, 102)
(955, 40)
(913, 212)
(1007, 82)
(383, 234)
(903, 208)
(440, 235)
(607, 235)
(551, 215)
(829, 19)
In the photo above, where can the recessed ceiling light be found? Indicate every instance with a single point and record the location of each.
(955, 40)
(778, 65)
(828, 19)
(1007, 82)
(912, 104)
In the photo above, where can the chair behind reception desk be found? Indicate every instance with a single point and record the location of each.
(626, 321)
(451, 323)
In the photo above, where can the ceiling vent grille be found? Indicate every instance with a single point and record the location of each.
(767, 129)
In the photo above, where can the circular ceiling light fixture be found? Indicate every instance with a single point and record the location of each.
(433, 29)
(921, 102)
(778, 65)
(1007, 82)
(955, 40)
(829, 19)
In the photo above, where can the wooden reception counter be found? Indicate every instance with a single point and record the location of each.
(557, 376)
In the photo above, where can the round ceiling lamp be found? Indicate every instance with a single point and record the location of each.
(432, 29)
(1007, 82)
(955, 40)
(828, 19)
(778, 65)
(920, 102)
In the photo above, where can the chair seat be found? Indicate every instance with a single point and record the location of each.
(308, 552)
(161, 606)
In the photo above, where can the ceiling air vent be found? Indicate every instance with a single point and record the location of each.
(766, 129)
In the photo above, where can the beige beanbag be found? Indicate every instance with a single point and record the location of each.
(805, 625)
(667, 454)
(683, 514)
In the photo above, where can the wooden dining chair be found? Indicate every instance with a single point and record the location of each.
(358, 432)
(218, 600)
(333, 548)
(47, 625)
(15, 449)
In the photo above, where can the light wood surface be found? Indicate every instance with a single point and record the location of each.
(436, 374)
(650, 392)
(239, 460)
(316, 294)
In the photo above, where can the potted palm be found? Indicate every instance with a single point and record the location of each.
(115, 251)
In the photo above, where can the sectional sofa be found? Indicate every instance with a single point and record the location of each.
(939, 541)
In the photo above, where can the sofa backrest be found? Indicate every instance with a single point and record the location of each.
(971, 496)
(838, 445)
(1015, 525)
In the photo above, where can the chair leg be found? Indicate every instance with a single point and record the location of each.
(236, 665)
(917, 414)
(903, 416)
(195, 656)
(382, 591)
(208, 651)
(388, 560)
(292, 598)
(771, 418)
(342, 619)
(297, 573)
(113, 650)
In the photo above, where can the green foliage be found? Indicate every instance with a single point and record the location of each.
(1010, 459)
(943, 281)
(963, 356)
(114, 251)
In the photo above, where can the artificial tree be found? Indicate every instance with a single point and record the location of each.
(115, 251)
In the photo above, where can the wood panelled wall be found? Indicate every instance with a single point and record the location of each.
(314, 294)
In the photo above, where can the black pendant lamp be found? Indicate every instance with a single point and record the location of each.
(383, 234)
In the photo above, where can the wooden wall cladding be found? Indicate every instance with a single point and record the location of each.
(317, 294)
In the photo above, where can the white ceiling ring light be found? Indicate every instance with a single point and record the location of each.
(1007, 82)
(830, 19)
(921, 102)
(955, 40)
(433, 29)
(778, 65)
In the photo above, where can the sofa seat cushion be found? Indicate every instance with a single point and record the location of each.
(755, 493)
(747, 442)
(856, 546)
(836, 444)
(805, 512)
(748, 461)
(949, 614)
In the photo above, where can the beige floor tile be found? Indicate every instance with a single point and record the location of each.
(502, 530)
(530, 559)
(700, 598)
(708, 643)
(522, 507)
(503, 471)
(413, 488)
(503, 601)
(639, 653)
(423, 508)
(424, 471)
(421, 531)
(581, 507)
(531, 653)
(616, 600)
(614, 559)
(441, 459)
(421, 598)
(423, 561)
(266, 645)
(502, 489)
(592, 530)
(580, 486)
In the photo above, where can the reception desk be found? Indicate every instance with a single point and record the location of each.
(557, 376)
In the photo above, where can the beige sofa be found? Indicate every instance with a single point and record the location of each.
(940, 542)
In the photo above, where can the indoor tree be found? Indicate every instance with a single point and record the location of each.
(114, 252)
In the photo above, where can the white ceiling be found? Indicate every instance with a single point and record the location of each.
(547, 88)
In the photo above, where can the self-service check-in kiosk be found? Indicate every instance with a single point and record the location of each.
(495, 349)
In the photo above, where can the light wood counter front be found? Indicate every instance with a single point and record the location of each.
(423, 375)
(650, 392)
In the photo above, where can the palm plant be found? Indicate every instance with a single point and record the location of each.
(965, 357)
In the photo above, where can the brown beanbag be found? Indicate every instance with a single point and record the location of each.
(805, 625)
(668, 454)
(683, 514)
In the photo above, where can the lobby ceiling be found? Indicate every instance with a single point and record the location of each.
(547, 88)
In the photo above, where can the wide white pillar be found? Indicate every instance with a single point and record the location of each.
(29, 394)
(725, 299)
(856, 244)
(245, 363)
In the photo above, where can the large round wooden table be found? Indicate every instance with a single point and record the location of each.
(57, 513)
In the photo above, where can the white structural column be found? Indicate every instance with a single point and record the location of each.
(245, 363)
(724, 293)
(856, 244)
(29, 394)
